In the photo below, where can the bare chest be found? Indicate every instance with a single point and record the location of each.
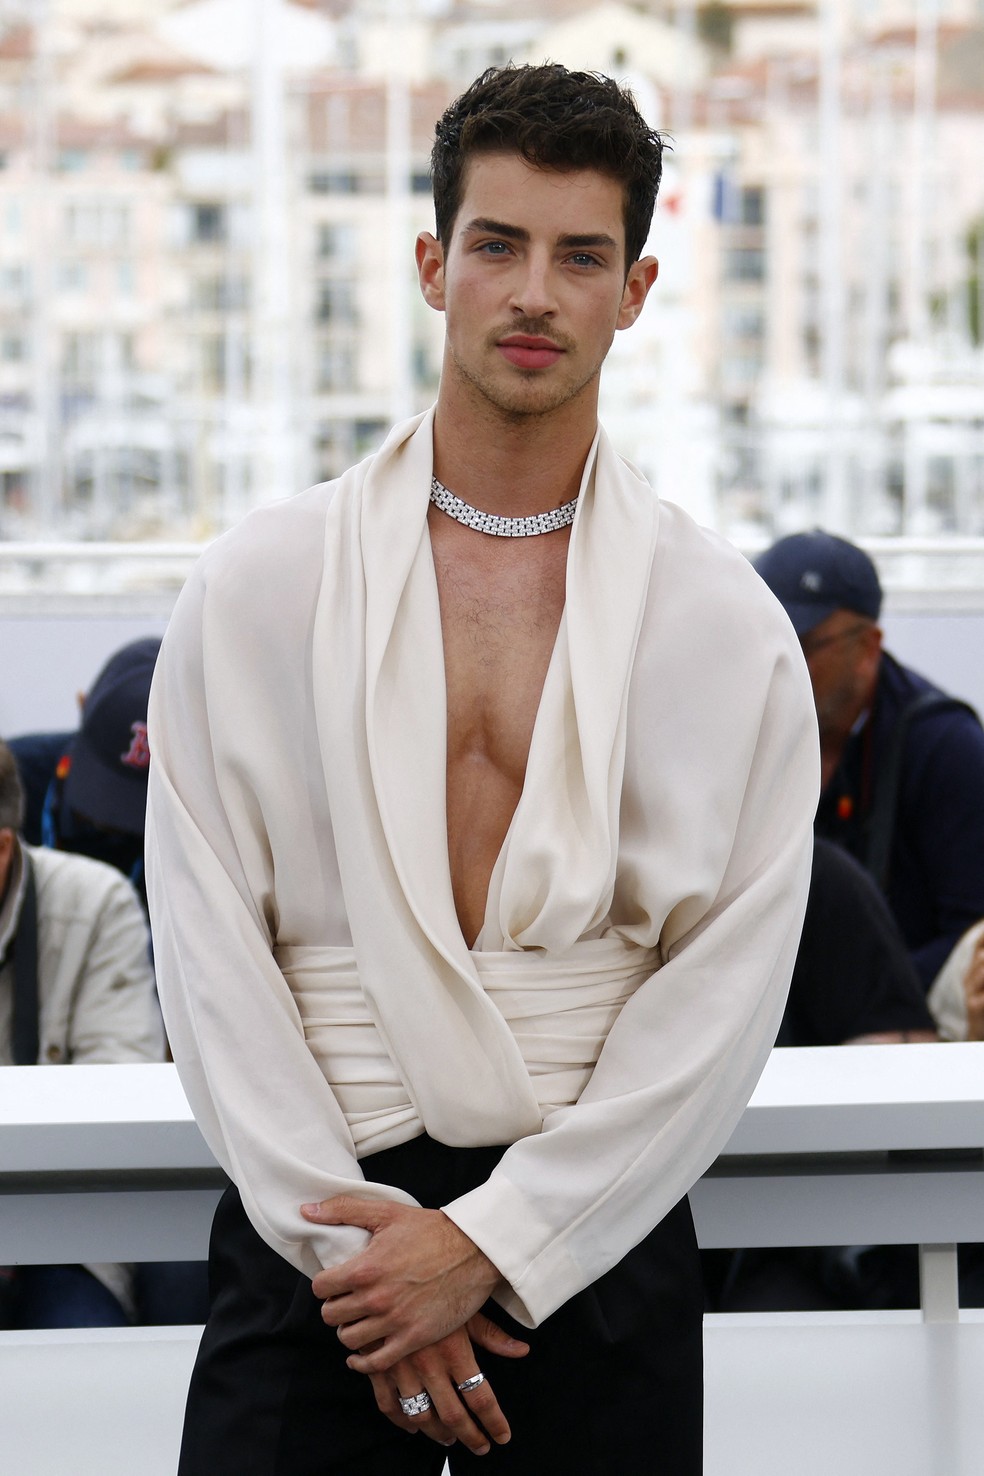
(500, 612)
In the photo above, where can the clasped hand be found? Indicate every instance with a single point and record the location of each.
(408, 1307)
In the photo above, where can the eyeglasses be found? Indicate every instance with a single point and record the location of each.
(810, 648)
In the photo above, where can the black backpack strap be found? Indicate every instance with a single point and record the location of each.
(25, 957)
(881, 824)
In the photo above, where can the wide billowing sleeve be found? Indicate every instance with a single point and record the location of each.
(222, 775)
(724, 762)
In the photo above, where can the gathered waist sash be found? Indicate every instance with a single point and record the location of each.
(559, 1008)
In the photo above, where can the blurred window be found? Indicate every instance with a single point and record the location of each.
(207, 223)
(213, 362)
(97, 223)
(751, 205)
(81, 356)
(15, 279)
(336, 367)
(220, 294)
(337, 240)
(336, 302)
(126, 278)
(744, 264)
(346, 182)
(744, 322)
(73, 276)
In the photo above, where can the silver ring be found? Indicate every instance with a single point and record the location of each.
(470, 1384)
(416, 1404)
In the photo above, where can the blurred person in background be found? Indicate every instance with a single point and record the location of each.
(902, 762)
(854, 982)
(86, 791)
(76, 987)
(957, 996)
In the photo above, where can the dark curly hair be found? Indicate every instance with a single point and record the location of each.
(555, 119)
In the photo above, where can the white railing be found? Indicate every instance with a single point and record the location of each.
(38, 576)
(872, 1144)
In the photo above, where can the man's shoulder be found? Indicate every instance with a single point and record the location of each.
(271, 538)
(67, 882)
(41, 750)
(907, 695)
(941, 735)
(264, 571)
(699, 566)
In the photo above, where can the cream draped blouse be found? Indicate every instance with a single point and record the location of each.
(642, 917)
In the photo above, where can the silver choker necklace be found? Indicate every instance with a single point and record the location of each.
(463, 512)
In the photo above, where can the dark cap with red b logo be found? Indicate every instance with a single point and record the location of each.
(109, 757)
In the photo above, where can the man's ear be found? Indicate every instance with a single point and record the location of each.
(430, 270)
(870, 642)
(642, 275)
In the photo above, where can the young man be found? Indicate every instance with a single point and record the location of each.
(474, 903)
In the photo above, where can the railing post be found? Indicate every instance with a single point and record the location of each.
(939, 1293)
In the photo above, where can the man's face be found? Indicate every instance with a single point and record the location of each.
(842, 655)
(533, 284)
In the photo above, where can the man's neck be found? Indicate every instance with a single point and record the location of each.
(512, 465)
(834, 742)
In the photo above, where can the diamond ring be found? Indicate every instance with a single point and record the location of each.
(469, 1384)
(416, 1404)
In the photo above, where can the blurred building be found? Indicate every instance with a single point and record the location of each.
(207, 296)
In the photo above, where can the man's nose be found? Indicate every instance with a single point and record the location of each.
(534, 294)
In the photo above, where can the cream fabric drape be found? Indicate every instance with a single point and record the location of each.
(378, 626)
(297, 800)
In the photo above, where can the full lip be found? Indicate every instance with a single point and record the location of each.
(527, 351)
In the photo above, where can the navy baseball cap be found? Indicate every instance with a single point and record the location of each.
(814, 574)
(109, 757)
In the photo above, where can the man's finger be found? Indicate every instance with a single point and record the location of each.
(385, 1353)
(457, 1419)
(429, 1423)
(348, 1209)
(388, 1403)
(482, 1405)
(487, 1334)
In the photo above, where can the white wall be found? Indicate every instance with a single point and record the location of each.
(947, 647)
(787, 1394)
(45, 661)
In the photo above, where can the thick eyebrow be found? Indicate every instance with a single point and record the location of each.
(483, 225)
(582, 243)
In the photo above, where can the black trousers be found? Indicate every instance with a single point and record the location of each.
(612, 1385)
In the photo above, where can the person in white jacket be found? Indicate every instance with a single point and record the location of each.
(76, 987)
(479, 837)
